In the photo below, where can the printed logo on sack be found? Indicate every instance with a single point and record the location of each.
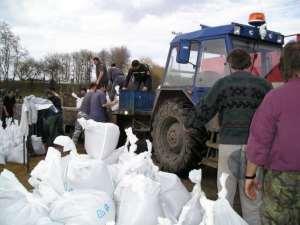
(103, 211)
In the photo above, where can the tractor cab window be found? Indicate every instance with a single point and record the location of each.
(212, 64)
(181, 74)
(265, 57)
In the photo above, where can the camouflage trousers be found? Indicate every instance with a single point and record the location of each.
(281, 198)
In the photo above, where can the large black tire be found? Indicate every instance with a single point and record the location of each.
(175, 150)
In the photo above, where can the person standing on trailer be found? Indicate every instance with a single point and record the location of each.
(141, 75)
(116, 78)
(234, 98)
(98, 72)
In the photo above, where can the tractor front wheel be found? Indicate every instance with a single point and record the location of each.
(174, 149)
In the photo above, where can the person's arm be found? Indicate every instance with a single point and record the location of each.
(261, 136)
(206, 109)
(5, 102)
(110, 104)
(128, 77)
(251, 184)
(100, 73)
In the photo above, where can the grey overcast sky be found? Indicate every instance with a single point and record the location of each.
(144, 26)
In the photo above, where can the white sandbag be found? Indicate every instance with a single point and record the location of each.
(173, 195)
(131, 163)
(15, 134)
(86, 173)
(16, 155)
(192, 213)
(100, 138)
(17, 205)
(46, 177)
(222, 208)
(139, 202)
(2, 157)
(37, 145)
(87, 207)
(164, 221)
(4, 146)
(65, 141)
(47, 221)
(135, 164)
(113, 158)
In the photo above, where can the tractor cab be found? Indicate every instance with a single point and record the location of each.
(195, 62)
(198, 59)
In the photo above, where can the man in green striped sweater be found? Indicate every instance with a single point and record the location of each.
(235, 98)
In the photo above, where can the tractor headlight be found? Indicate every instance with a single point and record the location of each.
(237, 30)
(280, 39)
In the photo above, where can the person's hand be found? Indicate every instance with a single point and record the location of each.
(145, 89)
(251, 188)
(188, 131)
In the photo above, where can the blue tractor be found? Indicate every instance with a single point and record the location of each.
(195, 62)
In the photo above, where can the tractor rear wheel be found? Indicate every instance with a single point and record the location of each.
(174, 149)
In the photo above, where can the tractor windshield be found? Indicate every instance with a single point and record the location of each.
(181, 74)
(265, 57)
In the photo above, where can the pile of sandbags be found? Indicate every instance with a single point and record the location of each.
(115, 187)
(201, 211)
(11, 143)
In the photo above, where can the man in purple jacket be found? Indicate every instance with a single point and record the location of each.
(274, 143)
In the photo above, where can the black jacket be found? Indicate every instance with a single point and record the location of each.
(140, 74)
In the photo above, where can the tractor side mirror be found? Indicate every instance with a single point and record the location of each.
(183, 53)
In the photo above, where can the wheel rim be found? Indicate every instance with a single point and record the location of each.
(171, 133)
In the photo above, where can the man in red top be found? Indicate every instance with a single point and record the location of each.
(274, 143)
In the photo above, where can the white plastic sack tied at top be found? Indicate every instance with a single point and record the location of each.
(202, 211)
(85, 173)
(192, 212)
(100, 138)
(84, 207)
(17, 205)
(172, 195)
(47, 177)
(37, 145)
(222, 208)
(72, 172)
(139, 201)
(12, 146)
(215, 212)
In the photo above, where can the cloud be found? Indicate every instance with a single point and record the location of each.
(144, 26)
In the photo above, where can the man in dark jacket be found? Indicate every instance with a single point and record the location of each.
(235, 98)
(98, 72)
(9, 102)
(116, 78)
(141, 74)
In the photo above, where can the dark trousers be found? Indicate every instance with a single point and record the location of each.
(145, 80)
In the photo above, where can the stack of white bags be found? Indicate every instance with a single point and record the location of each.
(11, 143)
(115, 187)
